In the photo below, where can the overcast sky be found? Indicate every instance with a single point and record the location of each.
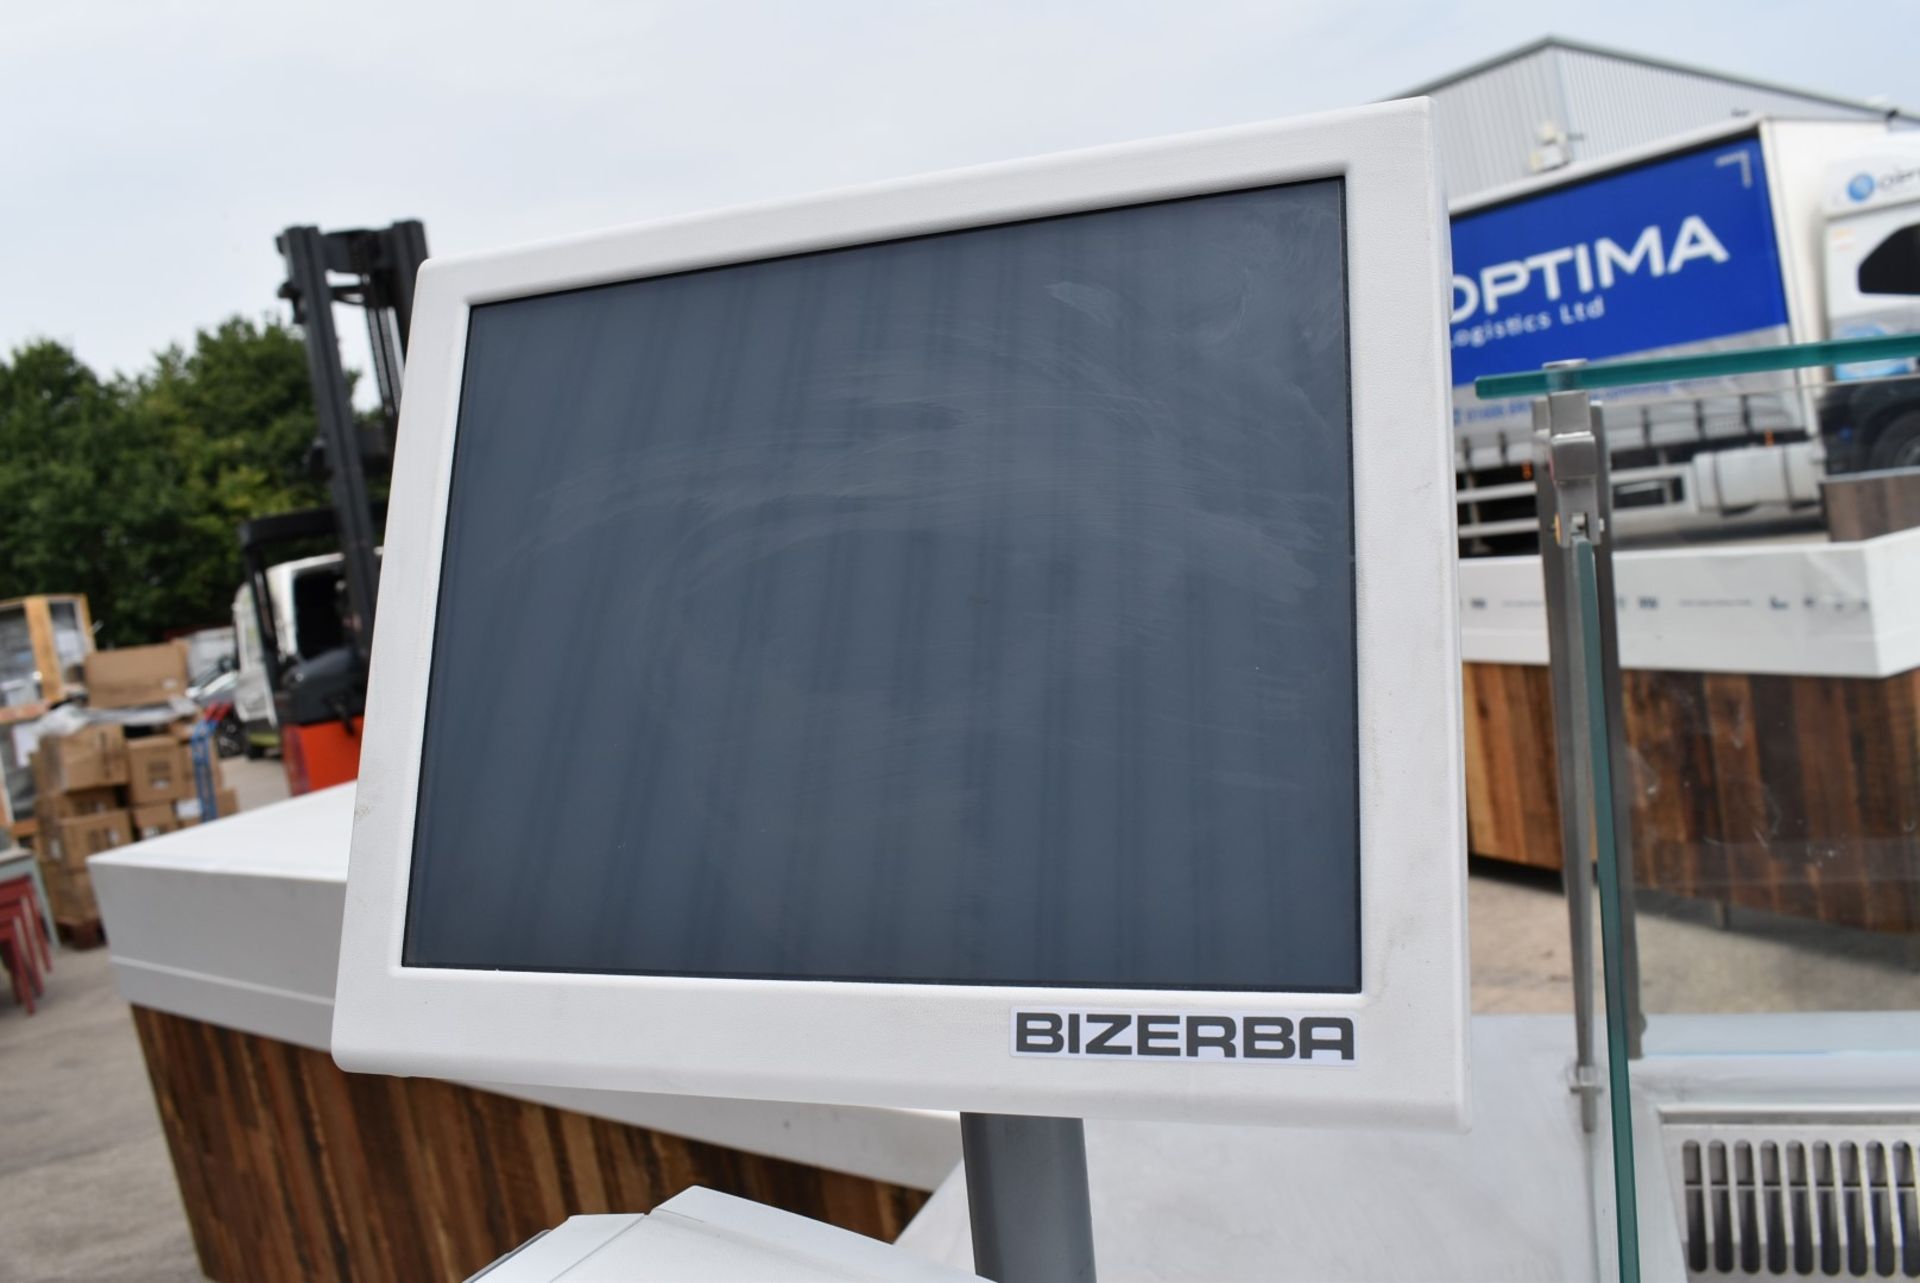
(149, 151)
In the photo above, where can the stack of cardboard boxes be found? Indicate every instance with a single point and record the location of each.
(77, 781)
(106, 785)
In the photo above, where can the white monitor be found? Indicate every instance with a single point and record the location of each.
(981, 642)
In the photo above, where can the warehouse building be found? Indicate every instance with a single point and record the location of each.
(1554, 102)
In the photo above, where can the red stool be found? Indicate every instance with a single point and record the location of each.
(16, 951)
(17, 895)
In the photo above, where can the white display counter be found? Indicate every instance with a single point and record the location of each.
(1803, 607)
(236, 925)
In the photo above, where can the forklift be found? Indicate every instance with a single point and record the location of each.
(315, 630)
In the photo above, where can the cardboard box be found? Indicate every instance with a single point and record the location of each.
(182, 732)
(67, 806)
(71, 843)
(158, 770)
(91, 757)
(136, 675)
(69, 893)
(228, 802)
(153, 819)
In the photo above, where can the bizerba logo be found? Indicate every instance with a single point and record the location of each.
(1212, 1035)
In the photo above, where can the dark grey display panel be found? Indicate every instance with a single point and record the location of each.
(975, 608)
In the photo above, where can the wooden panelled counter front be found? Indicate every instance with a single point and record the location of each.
(1799, 795)
(291, 1169)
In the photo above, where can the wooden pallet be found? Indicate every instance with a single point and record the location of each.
(81, 933)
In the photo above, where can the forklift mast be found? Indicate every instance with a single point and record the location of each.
(380, 267)
(319, 698)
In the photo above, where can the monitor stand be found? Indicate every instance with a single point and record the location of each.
(1027, 1198)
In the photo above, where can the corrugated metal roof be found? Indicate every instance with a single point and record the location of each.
(1486, 127)
(1615, 104)
(1490, 117)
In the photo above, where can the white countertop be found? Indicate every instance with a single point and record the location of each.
(1808, 609)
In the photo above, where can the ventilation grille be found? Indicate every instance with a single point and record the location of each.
(1798, 1200)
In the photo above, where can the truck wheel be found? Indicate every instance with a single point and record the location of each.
(1898, 444)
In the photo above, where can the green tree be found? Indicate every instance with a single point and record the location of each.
(62, 443)
(234, 419)
(131, 491)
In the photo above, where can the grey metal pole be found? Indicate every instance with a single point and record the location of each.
(1587, 497)
(1582, 522)
(1027, 1198)
(1576, 867)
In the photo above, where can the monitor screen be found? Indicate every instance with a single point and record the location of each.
(974, 608)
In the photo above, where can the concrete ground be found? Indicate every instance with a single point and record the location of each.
(1689, 961)
(87, 1190)
(86, 1187)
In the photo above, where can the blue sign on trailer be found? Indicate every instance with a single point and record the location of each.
(1672, 253)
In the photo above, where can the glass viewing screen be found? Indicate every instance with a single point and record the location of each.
(974, 608)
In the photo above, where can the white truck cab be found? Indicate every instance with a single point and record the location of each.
(304, 595)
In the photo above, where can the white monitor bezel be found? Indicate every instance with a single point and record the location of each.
(948, 1046)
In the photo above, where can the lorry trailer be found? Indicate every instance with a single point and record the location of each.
(1749, 234)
